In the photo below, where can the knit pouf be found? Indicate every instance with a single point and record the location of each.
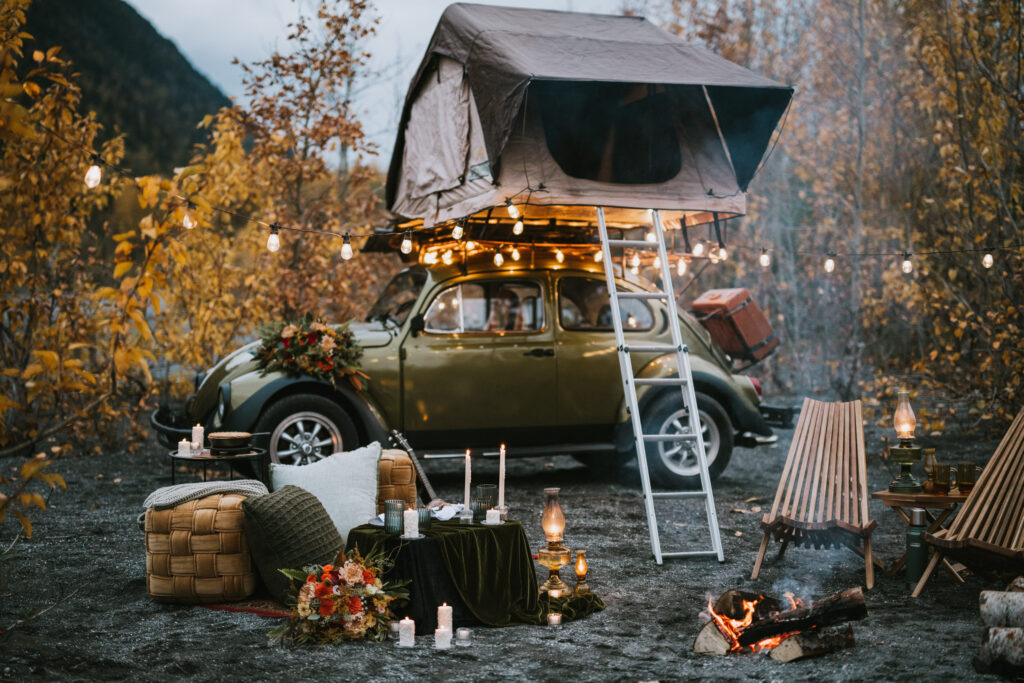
(197, 552)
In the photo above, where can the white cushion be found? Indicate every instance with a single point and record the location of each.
(345, 483)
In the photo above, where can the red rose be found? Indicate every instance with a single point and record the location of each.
(368, 576)
(326, 608)
(322, 590)
(355, 605)
(312, 338)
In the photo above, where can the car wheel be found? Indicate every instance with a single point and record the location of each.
(305, 428)
(673, 464)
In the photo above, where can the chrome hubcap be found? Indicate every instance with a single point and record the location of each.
(680, 457)
(303, 438)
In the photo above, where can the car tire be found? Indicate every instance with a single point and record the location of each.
(673, 464)
(304, 428)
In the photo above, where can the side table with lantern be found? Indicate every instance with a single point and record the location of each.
(945, 504)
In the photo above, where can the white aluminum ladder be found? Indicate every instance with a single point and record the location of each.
(684, 381)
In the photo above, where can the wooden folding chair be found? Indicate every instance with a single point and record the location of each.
(990, 525)
(822, 499)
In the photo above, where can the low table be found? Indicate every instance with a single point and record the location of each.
(257, 455)
(947, 504)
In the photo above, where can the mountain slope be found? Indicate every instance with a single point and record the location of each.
(135, 79)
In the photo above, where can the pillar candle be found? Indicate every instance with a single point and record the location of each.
(197, 435)
(184, 448)
(493, 516)
(442, 638)
(554, 619)
(412, 522)
(501, 476)
(406, 633)
(468, 477)
(444, 616)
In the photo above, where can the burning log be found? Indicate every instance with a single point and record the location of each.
(845, 606)
(1002, 609)
(813, 643)
(731, 603)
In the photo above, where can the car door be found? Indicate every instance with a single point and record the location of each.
(483, 370)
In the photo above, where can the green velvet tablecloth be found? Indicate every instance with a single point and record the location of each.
(491, 569)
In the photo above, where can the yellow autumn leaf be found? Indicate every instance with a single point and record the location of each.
(122, 268)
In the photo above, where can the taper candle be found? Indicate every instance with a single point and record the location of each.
(501, 476)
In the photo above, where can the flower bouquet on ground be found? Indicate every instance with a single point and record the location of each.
(309, 346)
(342, 601)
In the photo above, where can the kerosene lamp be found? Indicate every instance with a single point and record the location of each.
(906, 453)
(554, 555)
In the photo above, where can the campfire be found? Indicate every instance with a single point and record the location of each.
(791, 629)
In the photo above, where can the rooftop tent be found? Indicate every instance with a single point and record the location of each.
(560, 109)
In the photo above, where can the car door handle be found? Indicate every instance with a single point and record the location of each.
(539, 353)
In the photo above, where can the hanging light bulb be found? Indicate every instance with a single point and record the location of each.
(650, 237)
(713, 255)
(447, 258)
(94, 174)
(458, 231)
(698, 249)
(470, 245)
(406, 243)
(559, 256)
(723, 255)
(513, 210)
(907, 266)
(635, 262)
(274, 241)
(598, 256)
(987, 260)
(346, 247)
(189, 219)
(498, 258)
(515, 254)
(830, 263)
(765, 258)
(517, 229)
(681, 267)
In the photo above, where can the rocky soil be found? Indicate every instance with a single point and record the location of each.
(86, 563)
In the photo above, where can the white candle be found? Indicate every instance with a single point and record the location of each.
(197, 435)
(406, 633)
(493, 516)
(442, 638)
(412, 522)
(468, 477)
(501, 478)
(555, 619)
(444, 616)
(184, 448)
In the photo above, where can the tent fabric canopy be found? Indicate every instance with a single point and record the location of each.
(489, 78)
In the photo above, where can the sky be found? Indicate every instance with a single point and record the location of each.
(210, 33)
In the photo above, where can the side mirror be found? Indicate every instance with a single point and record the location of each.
(416, 324)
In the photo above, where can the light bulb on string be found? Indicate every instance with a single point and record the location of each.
(636, 261)
(987, 260)
(346, 247)
(907, 266)
(189, 219)
(650, 237)
(470, 245)
(517, 229)
(598, 256)
(515, 254)
(94, 174)
(458, 231)
(723, 255)
(559, 256)
(765, 258)
(681, 267)
(830, 262)
(498, 258)
(447, 257)
(406, 243)
(713, 255)
(698, 249)
(513, 210)
(274, 240)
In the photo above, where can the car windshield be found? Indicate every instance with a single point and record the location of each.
(398, 297)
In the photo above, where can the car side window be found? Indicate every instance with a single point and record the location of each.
(583, 305)
(488, 306)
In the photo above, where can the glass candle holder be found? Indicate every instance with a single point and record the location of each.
(393, 510)
(424, 518)
(463, 637)
(487, 494)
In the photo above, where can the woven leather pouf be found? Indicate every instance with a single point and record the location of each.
(396, 478)
(196, 552)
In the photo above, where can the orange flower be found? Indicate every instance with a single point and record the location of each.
(367, 576)
(310, 579)
(328, 568)
(326, 608)
(355, 605)
(323, 590)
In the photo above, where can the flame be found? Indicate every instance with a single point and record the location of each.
(731, 628)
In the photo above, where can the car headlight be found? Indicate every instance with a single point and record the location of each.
(223, 401)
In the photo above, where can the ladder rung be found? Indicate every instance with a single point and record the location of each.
(660, 381)
(678, 494)
(692, 553)
(635, 244)
(643, 295)
(670, 437)
(650, 348)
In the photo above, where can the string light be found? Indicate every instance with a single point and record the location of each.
(650, 237)
(681, 267)
(94, 175)
(346, 247)
(517, 229)
(713, 255)
(907, 266)
(470, 244)
(723, 255)
(765, 258)
(189, 219)
(407, 243)
(636, 261)
(987, 260)
(458, 231)
(830, 262)
(559, 256)
(698, 249)
(515, 254)
(273, 240)
(447, 258)
(598, 256)
(498, 258)
(513, 210)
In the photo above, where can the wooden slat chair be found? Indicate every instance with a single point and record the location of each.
(990, 525)
(822, 499)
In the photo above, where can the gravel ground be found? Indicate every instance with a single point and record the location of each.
(87, 559)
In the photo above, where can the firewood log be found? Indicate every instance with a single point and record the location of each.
(1003, 648)
(1017, 585)
(710, 641)
(1001, 609)
(813, 643)
(847, 605)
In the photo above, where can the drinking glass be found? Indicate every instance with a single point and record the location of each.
(966, 475)
(393, 510)
(943, 478)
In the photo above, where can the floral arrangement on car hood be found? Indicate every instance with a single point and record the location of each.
(309, 346)
(346, 600)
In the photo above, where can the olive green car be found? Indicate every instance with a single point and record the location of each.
(474, 355)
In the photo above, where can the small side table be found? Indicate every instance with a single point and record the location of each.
(257, 455)
(946, 504)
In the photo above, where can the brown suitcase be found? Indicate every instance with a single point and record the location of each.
(736, 323)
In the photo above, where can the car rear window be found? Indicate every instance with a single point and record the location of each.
(487, 306)
(583, 304)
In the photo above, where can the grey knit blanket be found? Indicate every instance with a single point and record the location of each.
(169, 496)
